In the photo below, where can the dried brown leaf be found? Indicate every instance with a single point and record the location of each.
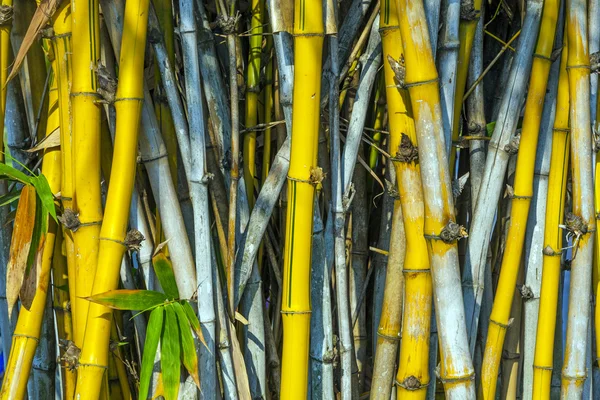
(239, 366)
(33, 278)
(52, 140)
(39, 20)
(20, 244)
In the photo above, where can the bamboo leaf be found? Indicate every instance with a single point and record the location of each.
(150, 346)
(41, 16)
(10, 197)
(170, 354)
(239, 366)
(129, 299)
(193, 320)
(20, 245)
(166, 277)
(239, 317)
(44, 192)
(14, 174)
(34, 258)
(188, 349)
(52, 140)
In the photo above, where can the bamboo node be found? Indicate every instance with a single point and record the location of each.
(549, 251)
(595, 62)
(391, 190)
(47, 32)
(596, 135)
(526, 293)
(6, 15)
(451, 233)
(316, 176)
(399, 70)
(70, 220)
(107, 85)
(228, 23)
(513, 146)
(134, 239)
(411, 383)
(575, 224)
(468, 11)
(407, 151)
(70, 355)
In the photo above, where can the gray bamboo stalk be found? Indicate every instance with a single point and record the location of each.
(447, 61)
(496, 163)
(140, 319)
(339, 211)
(379, 261)
(17, 132)
(594, 43)
(574, 368)
(321, 322)
(371, 61)
(228, 378)
(195, 167)
(557, 359)
(41, 380)
(432, 13)
(358, 272)
(534, 236)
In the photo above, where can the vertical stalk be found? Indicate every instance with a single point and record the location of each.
(6, 6)
(574, 372)
(495, 170)
(194, 161)
(86, 153)
(252, 95)
(302, 176)
(520, 200)
(441, 232)
(128, 103)
(29, 324)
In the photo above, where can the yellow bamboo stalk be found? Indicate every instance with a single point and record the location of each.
(61, 44)
(268, 110)
(27, 332)
(555, 204)
(521, 200)
(129, 99)
(252, 95)
(440, 228)
(295, 308)
(62, 310)
(5, 52)
(412, 375)
(86, 153)
(466, 34)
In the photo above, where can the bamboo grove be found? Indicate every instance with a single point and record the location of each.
(264, 199)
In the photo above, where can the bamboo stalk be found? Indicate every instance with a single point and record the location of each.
(7, 8)
(574, 370)
(534, 237)
(495, 169)
(86, 154)
(521, 200)
(28, 331)
(456, 369)
(321, 322)
(550, 293)
(128, 104)
(432, 14)
(308, 45)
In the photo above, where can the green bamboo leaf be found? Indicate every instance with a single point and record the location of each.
(42, 188)
(10, 197)
(490, 128)
(166, 277)
(129, 299)
(170, 354)
(193, 320)
(153, 332)
(14, 174)
(188, 348)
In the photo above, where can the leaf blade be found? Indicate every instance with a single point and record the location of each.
(164, 271)
(170, 354)
(188, 348)
(153, 332)
(124, 299)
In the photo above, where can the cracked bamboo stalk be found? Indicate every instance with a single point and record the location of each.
(574, 372)
(441, 232)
